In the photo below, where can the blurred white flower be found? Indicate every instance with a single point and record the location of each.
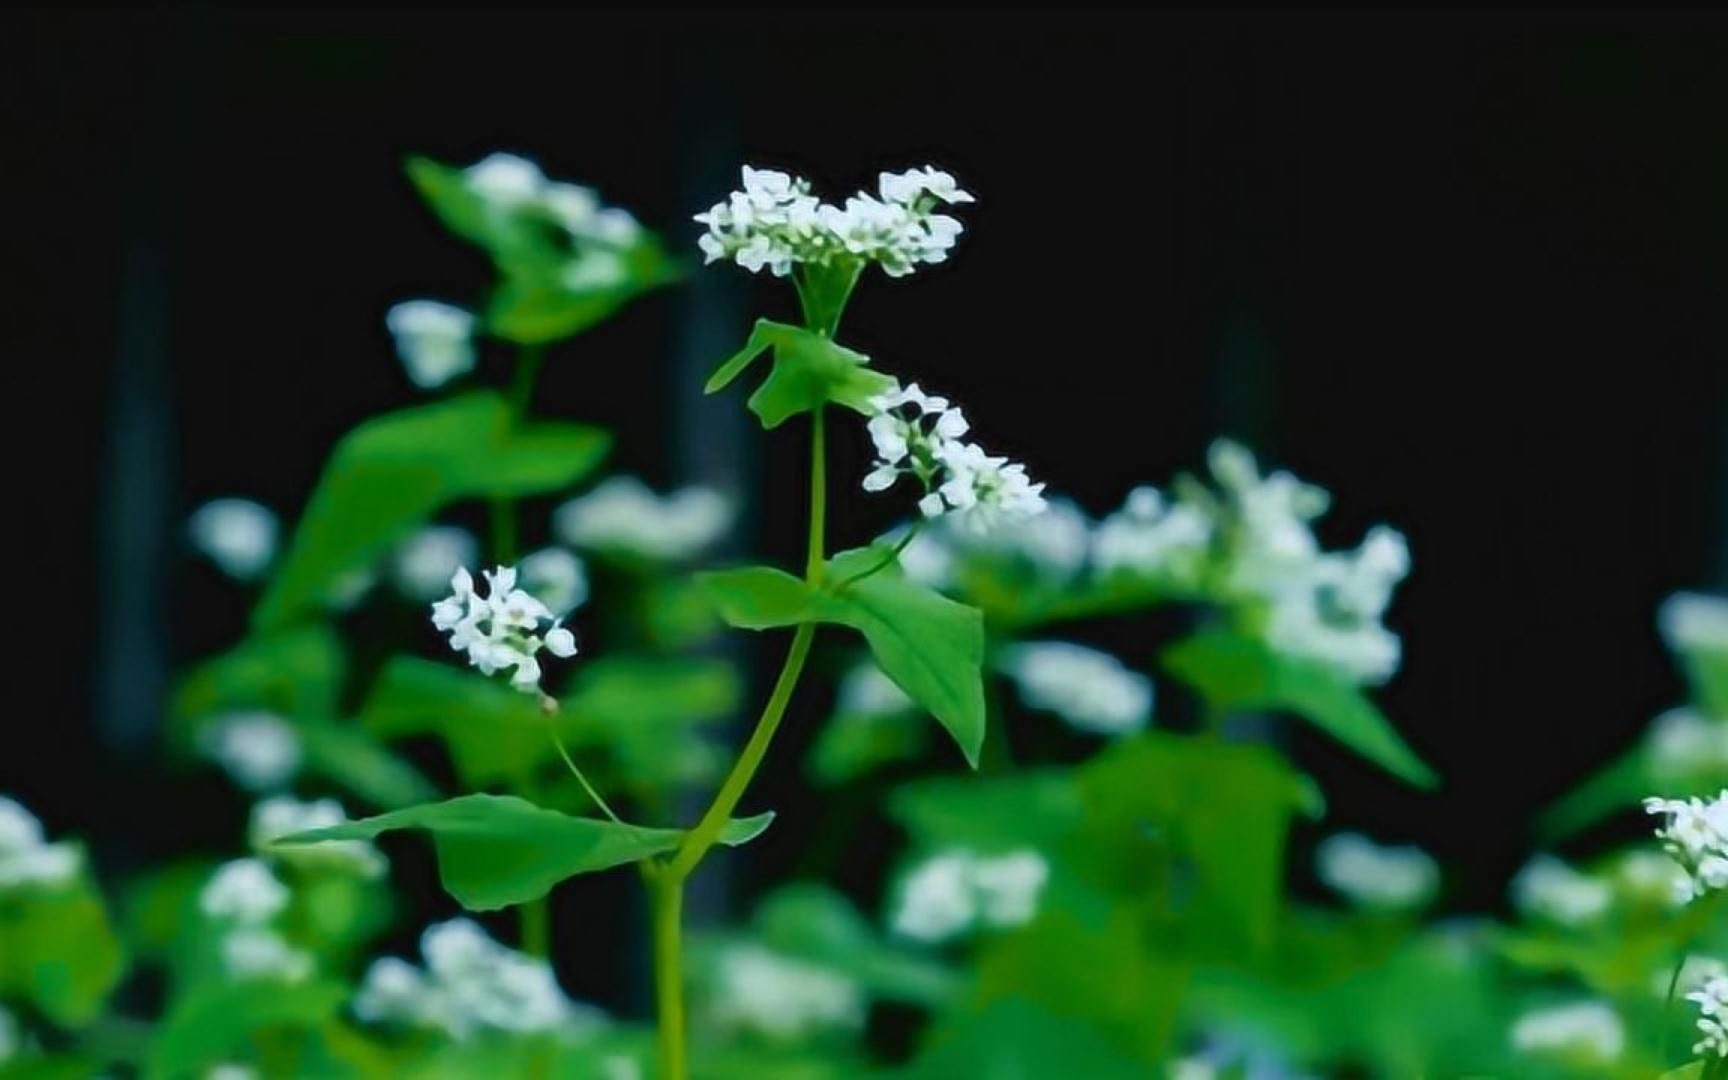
(470, 985)
(505, 179)
(1651, 877)
(867, 691)
(230, 1070)
(782, 998)
(435, 341)
(622, 515)
(238, 535)
(1712, 1001)
(1694, 622)
(260, 750)
(1694, 832)
(243, 891)
(1695, 971)
(1549, 889)
(1331, 611)
(506, 628)
(1374, 877)
(426, 561)
(26, 858)
(1089, 689)
(774, 223)
(557, 577)
(957, 891)
(1583, 1032)
(283, 815)
(251, 952)
(1151, 536)
(1685, 743)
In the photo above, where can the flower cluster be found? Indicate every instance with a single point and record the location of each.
(243, 897)
(434, 340)
(470, 985)
(919, 435)
(507, 628)
(1549, 889)
(1091, 690)
(1583, 1032)
(1694, 832)
(1712, 1002)
(1694, 622)
(26, 857)
(1152, 536)
(238, 535)
(776, 223)
(781, 998)
(506, 183)
(259, 750)
(959, 890)
(283, 815)
(1684, 743)
(622, 516)
(1377, 878)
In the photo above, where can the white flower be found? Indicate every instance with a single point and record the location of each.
(980, 490)
(243, 891)
(505, 179)
(426, 561)
(1584, 1031)
(868, 692)
(26, 858)
(1152, 537)
(1549, 889)
(435, 341)
(259, 750)
(1694, 832)
(1374, 877)
(283, 815)
(622, 515)
(1089, 689)
(1712, 1001)
(507, 628)
(250, 952)
(957, 891)
(774, 223)
(1694, 622)
(238, 535)
(229, 1070)
(557, 577)
(782, 998)
(471, 985)
(1684, 743)
(1652, 878)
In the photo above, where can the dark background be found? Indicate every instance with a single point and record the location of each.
(1467, 274)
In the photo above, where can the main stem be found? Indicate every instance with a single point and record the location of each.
(666, 881)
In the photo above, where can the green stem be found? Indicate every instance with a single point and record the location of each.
(605, 808)
(1668, 1008)
(814, 553)
(666, 892)
(888, 560)
(535, 927)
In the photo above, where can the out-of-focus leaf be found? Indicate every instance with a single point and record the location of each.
(58, 951)
(1018, 1040)
(990, 814)
(393, 472)
(498, 850)
(814, 923)
(1233, 672)
(809, 371)
(852, 744)
(759, 597)
(213, 1019)
(296, 674)
(351, 757)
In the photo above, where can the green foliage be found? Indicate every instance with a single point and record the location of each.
(809, 371)
(499, 850)
(1036, 808)
(392, 473)
(217, 1019)
(57, 949)
(818, 925)
(1234, 673)
(1017, 1040)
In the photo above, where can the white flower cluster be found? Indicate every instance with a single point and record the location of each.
(919, 435)
(1089, 689)
(766, 993)
(26, 857)
(1583, 1032)
(425, 562)
(1050, 547)
(243, 897)
(1684, 743)
(471, 985)
(1694, 622)
(507, 628)
(1651, 879)
(866, 691)
(1694, 832)
(434, 341)
(958, 891)
(1548, 888)
(1712, 1002)
(775, 223)
(510, 184)
(622, 515)
(1377, 878)
(238, 535)
(1152, 536)
(283, 815)
(259, 750)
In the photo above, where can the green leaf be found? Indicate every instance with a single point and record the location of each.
(759, 597)
(354, 759)
(1016, 1040)
(58, 950)
(213, 1020)
(1031, 808)
(809, 371)
(818, 925)
(392, 473)
(499, 850)
(534, 314)
(1233, 672)
(297, 674)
